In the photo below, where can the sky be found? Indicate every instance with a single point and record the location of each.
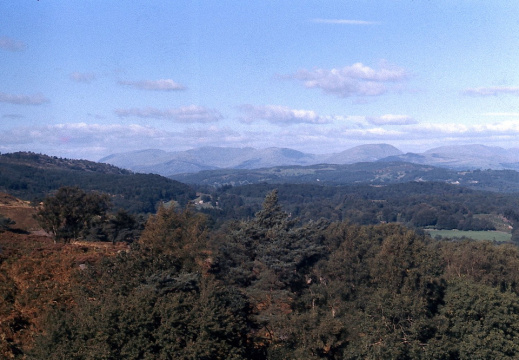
(92, 78)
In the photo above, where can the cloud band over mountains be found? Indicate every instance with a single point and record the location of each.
(96, 140)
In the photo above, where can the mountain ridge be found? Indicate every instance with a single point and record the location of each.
(458, 157)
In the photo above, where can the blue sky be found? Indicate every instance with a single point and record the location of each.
(92, 78)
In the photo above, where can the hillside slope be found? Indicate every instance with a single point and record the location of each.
(32, 176)
(21, 212)
(363, 153)
(374, 173)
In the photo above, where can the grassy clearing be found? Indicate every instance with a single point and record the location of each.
(500, 236)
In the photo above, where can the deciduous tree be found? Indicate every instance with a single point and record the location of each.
(69, 211)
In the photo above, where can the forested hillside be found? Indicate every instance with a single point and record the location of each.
(267, 287)
(262, 271)
(32, 176)
(418, 205)
(375, 173)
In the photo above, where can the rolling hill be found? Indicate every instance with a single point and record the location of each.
(31, 176)
(374, 173)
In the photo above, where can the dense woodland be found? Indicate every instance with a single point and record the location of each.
(262, 272)
(417, 205)
(374, 173)
(32, 176)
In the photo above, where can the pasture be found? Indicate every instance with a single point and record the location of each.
(499, 236)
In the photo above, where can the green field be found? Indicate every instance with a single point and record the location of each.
(476, 235)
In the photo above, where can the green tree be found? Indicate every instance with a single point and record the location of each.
(123, 227)
(476, 322)
(154, 302)
(271, 243)
(268, 258)
(70, 211)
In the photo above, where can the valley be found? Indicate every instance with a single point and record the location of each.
(270, 260)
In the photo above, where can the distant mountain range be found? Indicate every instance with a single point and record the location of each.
(464, 157)
(461, 157)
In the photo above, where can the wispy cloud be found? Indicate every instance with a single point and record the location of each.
(493, 129)
(11, 44)
(96, 116)
(37, 99)
(492, 91)
(82, 77)
(344, 22)
(186, 114)
(390, 119)
(280, 115)
(156, 85)
(12, 116)
(355, 80)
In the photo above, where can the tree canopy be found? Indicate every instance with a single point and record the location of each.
(277, 287)
(70, 211)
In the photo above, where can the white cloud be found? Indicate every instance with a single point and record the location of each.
(37, 99)
(11, 44)
(390, 119)
(344, 22)
(354, 80)
(186, 114)
(94, 141)
(157, 85)
(492, 91)
(280, 115)
(82, 77)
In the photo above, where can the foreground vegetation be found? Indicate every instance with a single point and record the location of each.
(270, 287)
(309, 272)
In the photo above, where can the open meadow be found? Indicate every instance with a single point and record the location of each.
(499, 236)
